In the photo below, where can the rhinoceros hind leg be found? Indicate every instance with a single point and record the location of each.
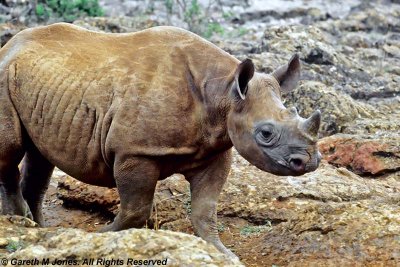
(36, 173)
(10, 191)
(136, 180)
(205, 186)
(11, 154)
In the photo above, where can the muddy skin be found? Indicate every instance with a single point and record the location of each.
(127, 110)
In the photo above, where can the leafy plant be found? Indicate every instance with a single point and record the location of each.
(192, 15)
(228, 15)
(14, 246)
(213, 27)
(169, 4)
(67, 10)
(195, 16)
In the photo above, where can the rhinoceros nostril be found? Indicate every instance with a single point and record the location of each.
(297, 164)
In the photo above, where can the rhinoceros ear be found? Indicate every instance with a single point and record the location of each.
(288, 75)
(243, 75)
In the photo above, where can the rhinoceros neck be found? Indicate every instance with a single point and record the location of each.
(198, 70)
(210, 79)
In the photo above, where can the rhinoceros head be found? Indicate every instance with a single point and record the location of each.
(268, 135)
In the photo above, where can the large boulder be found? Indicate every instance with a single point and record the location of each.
(21, 240)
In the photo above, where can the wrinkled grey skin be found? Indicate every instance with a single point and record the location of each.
(127, 110)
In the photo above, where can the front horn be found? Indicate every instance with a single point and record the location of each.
(311, 125)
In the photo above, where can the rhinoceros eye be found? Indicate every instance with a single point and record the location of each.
(266, 134)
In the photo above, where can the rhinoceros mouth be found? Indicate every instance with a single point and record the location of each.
(295, 165)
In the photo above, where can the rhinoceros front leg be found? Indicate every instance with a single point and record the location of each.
(205, 186)
(136, 180)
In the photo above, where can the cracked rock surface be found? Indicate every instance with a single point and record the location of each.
(77, 245)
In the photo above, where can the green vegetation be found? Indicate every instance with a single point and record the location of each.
(14, 246)
(251, 230)
(199, 19)
(228, 15)
(195, 16)
(67, 10)
(213, 27)
(220, 227)
(169, 4)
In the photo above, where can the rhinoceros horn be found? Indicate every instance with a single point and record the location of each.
(311, 125)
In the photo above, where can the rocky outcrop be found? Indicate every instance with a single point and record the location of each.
(21, 239)
(337, 108)
(8, 30)
(286, 219)
(358, 233)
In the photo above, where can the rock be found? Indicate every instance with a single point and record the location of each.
(256, 196)
(141, 244)
(237, 48)
(382, 124)
(3, 242)
(19, 11)
(359, 63)
(364, 155)
(373, 18)
(337, 108)
(391, 50)
(378, 127)
(319, 56)
(76, 193)
(8, 30)
(171, 201)
(315, 216)
(313, 45)
(358, 40)
(117, 24)
(362, 233)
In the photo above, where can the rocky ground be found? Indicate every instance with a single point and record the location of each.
(63, 247)
(346, 213)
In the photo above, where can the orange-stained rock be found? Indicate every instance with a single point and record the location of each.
(362, 154)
